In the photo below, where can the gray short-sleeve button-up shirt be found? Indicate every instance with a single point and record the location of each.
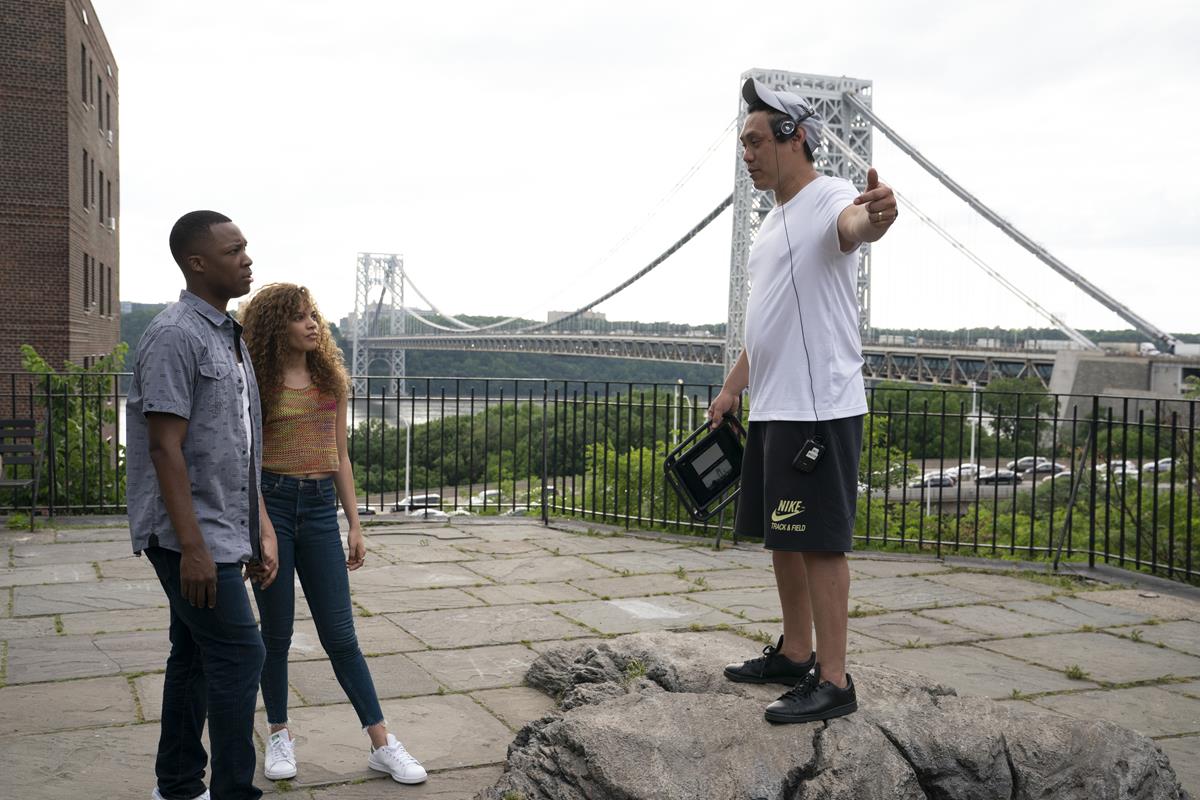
(186, 366)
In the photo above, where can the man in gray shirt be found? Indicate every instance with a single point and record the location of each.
(193, 457)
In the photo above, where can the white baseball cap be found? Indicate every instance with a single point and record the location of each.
(795, 106)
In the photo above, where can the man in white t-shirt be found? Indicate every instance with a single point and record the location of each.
(803, 366)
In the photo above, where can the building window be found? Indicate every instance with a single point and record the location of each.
(99, 105)
(108, 291)
(100, 288)
(92, 299)
(86, 174)
(103, 216)
(108, 114)
(92, 98)
(83, 74)
(92, 176)
(87, 287)
(108, 205)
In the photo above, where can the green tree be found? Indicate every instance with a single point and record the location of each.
(78, 424)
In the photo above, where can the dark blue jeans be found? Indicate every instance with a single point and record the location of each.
(213, 670)
(306, 526)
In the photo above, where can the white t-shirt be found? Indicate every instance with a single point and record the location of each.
(825, 280)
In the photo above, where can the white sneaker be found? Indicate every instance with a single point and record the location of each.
(281, 756)
(393, 759)
(156, 795)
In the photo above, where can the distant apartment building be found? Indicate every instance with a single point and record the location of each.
(59, 183)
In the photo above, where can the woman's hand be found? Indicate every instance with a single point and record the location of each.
(357, 549)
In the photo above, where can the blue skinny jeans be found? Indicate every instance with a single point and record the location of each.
(304, 516)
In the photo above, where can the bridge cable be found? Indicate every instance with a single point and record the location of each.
(1165, 339)
(995, 274)
(701, 225)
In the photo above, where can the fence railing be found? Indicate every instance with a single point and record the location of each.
(1099, 478)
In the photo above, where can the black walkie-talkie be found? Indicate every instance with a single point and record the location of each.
(810, 453)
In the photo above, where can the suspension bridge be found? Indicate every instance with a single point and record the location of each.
(387, 322)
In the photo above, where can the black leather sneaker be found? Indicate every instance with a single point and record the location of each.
(772, 667)
(814, 699)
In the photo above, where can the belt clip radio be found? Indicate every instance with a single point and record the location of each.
(706, 468)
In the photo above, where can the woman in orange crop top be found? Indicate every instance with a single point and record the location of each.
(304, 390)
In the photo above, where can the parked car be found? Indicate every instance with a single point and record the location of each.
(1065, 477)
(964, 472)
(419, 501)
(1025, 463)
(1162, 465)
(487, 497)
(933, 479)
(1046, 468)
(999, 476)
(428, 513)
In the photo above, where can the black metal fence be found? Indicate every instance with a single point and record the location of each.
(1098, 478)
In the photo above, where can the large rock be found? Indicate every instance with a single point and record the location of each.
(649, 716)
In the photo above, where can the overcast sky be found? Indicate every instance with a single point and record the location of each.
(509, 150)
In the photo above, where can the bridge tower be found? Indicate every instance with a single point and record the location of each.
(824, 92)
(384, 316)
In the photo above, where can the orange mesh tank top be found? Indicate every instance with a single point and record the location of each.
(299, 433)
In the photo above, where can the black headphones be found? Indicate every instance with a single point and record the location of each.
(784, 128)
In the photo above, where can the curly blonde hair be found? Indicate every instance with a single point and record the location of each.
(265, 320)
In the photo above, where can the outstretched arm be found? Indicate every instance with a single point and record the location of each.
(870, 216)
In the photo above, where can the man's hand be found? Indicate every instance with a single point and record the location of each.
(198, 577)
(879, 200)
(724, 403)
(263, 571)
(357, 549)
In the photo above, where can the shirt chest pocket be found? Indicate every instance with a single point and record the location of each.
(215, 389)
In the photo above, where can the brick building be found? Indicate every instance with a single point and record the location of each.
(59, 183)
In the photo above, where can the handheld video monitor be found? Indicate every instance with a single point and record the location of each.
(706, 467)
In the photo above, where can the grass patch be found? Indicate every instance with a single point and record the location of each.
(1076, 673)
(634, 670)
(58, 625)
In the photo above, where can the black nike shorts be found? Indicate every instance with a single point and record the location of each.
(793, 510)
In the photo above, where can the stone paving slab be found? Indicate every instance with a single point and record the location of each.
(757, 605)
(528, 593)
(1184, 753)
(443, 732)
(537, 570)
(995, 621)
(629, 615)
(394, 676)
(150, 689)
(576, 545)
(412, 576)
(641, 563)
(414, 600)
(997, 587)
(738, 578)
(746, 556)
(133, 568)
(1190, 688)
(49, 573)
(1077, 612)
(31, 601)
(457, 784)
(1148, 603)
(129, 619)
(894, 567)
(516, 706)
(472, 627)
(92, 535)
(474, 668)
(415, 553)
(26, 627)
(136, 651)
(1146, 709)
(92, 702)
(905, 628)
(34, 555)
(971, 670)
(502, 548)
(855, 642)
(901, 594)
(102, 762)
(56, 658)
(636, 585)
(413, 531)
(1101, 656)
(1182, 635)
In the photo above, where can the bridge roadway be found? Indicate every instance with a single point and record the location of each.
(944, 366)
